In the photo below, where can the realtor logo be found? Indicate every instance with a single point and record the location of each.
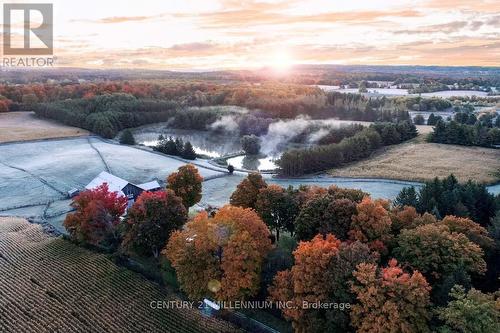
(38, 37)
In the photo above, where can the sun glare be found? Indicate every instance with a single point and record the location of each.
(281, 61)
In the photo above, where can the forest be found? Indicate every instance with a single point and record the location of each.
(435, 264)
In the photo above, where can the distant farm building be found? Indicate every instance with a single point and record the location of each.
(123, 187)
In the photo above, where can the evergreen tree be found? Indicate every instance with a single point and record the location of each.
(188, 151)
(127, 138)
(431, 121)
(407, 197)
(179, 146)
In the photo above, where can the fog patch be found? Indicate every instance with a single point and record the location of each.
(225, 124)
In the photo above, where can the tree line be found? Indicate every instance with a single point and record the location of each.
(348, 248)
(175, 147)
(297, 162)
(458, 133)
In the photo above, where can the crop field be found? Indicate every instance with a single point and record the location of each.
(48, 284)
(20, 126)
(418, 160)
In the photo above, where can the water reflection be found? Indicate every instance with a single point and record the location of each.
(253, 162)
(204, 142)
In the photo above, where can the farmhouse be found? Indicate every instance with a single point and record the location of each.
(123, 187)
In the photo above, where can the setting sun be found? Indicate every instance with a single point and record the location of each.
(281, 61)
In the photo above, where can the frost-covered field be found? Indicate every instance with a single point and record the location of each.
(33, 174)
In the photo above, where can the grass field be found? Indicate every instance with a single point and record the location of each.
(48, 284)
(20, 126)
(419, 160)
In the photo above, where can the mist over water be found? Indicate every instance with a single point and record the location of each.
(282, 132)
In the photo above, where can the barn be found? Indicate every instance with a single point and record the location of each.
(123, 187)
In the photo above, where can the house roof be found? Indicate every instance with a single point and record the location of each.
(149, 186)
(115, 184)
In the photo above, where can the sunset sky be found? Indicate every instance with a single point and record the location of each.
(216, 34)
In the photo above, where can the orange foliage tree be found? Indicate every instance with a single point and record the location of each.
(390, 300)
(220, 257)
(372, 224)
(407, 218)
(186, 183)
(247, 191)
(306, 280)
(474, 232)
(97, 214)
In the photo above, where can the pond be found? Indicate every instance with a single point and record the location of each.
(249, 162)
(206, 143)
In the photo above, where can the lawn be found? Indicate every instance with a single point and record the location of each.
(48, 284)
(21, 126)
(419, 160)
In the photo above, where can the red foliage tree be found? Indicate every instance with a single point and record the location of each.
(151, 220)
(97, 214)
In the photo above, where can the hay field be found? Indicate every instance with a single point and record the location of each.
(418, 160)
(48, 284)
(21, 126)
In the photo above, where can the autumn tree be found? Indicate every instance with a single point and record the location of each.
(470, 312)
(277, 208)
(339, 276)
(151, 220)
(323, 215)
(372, 224)
(220, 257)
(186, 184)
(97, 213)
(247, 191)
(304, 193)
(306, 280)
(4, 106)
(474, 232)
(390, 300)
(407, 218)
(437, 252)
(346, 193)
